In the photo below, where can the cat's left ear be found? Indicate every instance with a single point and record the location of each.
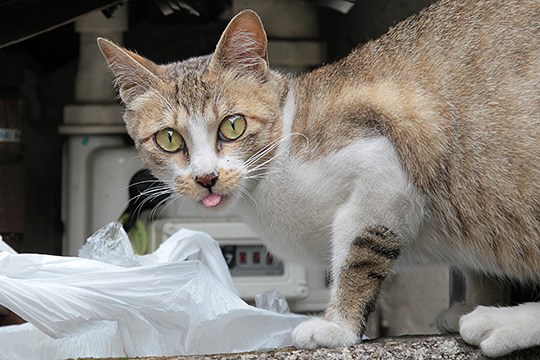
(243, 46)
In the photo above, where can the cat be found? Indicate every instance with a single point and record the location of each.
(421, 146)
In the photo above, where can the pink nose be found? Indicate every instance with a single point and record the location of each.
(207, 180)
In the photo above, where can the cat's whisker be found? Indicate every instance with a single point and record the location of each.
(150, 197)
(261, 175)
(139, 208)
(245, 193)
(151, 193)
(156, 189)
(261, 153)
(123, 188)
(254, 166)
(182, 203)
(265, 150)
(132, 199)
(263, 168)
(171, 201)
(158, 206)
(266, 162)
(159, 185)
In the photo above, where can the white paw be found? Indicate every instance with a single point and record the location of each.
(322, 333)
(448, 320)
(499, 331)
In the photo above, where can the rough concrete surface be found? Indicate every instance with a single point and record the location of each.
(399, 348)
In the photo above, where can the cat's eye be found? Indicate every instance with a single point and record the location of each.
(232, 127)
(169, 140)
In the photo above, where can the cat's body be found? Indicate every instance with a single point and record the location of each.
(422, 145)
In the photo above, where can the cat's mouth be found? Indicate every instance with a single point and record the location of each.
(212, 199)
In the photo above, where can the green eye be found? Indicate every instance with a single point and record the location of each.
(232, 127)
(169, 140)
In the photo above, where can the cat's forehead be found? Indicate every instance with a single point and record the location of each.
(187, 79)
(188, 72)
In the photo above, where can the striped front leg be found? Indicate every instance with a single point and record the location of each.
(357, 283)
(359, 280)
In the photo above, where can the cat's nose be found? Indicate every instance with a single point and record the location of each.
(207, 180)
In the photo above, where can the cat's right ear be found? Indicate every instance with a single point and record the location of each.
(242, 46)
(133, 73)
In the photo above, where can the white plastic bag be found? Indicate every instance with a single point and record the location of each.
(272, 300)
(6, 247)
(179, 300)
(25, 341)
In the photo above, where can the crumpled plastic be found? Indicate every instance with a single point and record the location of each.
(272, 300)
(179, 300)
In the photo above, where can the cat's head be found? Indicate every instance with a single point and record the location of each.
(204, 125)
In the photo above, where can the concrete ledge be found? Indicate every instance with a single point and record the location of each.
(404, 347)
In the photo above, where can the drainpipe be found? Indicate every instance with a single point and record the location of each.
(94, 121)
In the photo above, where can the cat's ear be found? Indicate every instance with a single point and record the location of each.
(133, 73)
(242, 46)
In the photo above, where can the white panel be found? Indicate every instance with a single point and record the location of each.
(292, 284)
(76, 211)
(111, 169)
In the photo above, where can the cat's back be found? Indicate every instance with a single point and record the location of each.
(456, 60)
(459, 68)
(457, 91)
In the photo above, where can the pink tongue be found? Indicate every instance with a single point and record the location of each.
(211, 200)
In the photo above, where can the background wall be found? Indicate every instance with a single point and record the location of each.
(43, 69)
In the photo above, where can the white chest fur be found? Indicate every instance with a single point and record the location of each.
(300, 207)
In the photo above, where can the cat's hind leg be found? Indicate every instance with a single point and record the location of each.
(499, 331)
(480, 289)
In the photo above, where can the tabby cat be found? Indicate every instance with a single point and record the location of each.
(421, 146)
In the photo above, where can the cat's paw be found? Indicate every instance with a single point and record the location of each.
(317, 333)
(499, 331)
(448, 320)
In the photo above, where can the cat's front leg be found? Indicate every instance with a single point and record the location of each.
(357, 282)
(368, 235)
(382, 214)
